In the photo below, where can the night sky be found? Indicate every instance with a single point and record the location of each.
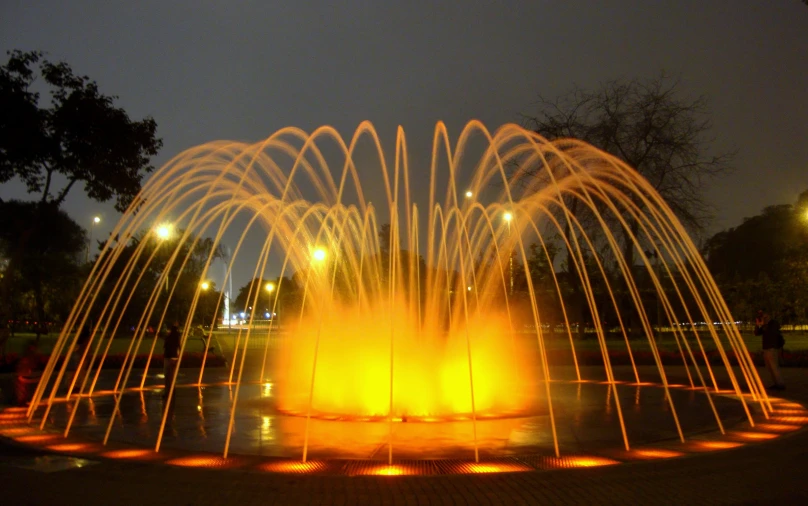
(208, 70)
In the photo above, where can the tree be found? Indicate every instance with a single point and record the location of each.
(46, 279)
(256, 291)
(763, 262)
(651, 128)
(78, 133)
(187, 277)
(648, 125)
(284, 296)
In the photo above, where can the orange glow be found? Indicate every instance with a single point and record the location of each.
(203, 461)
(778, 411)
(717, 445)
(754, 435)
(788, 405)
(13, 431)
(71, 447)
(387, 471)
(430, 370)
(494, 468)
(589, 461)
(36, 438)
(16, 409)
(777, 427)
(294, 466)
(12, 416)
(654, 453)
(128, 454)
(802, 420)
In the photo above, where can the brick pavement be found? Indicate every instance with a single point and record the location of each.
(773, 472)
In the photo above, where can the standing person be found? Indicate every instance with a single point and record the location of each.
(78, 352)
(27, 375)
(171, 355)
(772, 340)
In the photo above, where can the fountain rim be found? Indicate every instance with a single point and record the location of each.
(14, 428)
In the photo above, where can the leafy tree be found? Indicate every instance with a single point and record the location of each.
(257, 287)
(763, 262)
(78, 133)
(46, 279)
(188, 279)
(285, 290)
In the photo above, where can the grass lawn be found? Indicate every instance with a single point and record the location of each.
(119, 345)
(794, 341)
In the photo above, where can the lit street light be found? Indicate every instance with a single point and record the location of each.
(96, 221)
(270, 287)
(204, 285)
(319, 254)
(469, 194)
(164, 231)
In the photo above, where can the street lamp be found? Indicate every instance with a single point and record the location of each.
(96, 221)
(469, 194)
(269, 287)
(319, 254)
(204, 285)
(164, 231)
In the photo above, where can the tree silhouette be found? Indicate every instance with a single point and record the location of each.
(78, 133)
(651, 127)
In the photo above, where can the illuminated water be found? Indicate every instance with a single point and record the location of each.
(423, 324)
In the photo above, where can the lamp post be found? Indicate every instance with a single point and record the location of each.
(96, 221)
(164, 231)
(270, 287)
(204, 286)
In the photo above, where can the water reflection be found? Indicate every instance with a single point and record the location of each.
(198, 418)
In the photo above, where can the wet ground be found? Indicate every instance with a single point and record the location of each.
(586, 418)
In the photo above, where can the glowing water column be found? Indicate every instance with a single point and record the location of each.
(508, 217)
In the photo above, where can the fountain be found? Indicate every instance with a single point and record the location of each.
(497, 281)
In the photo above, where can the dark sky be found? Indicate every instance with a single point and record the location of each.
(216, 69)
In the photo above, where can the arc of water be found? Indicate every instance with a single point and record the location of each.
(747, 367)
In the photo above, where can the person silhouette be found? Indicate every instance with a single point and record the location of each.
(772, 341)
(171, 355)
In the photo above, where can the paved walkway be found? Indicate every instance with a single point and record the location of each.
(773, 472)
